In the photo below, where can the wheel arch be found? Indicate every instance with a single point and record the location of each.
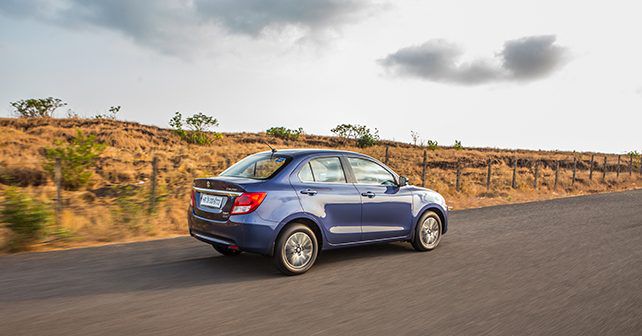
(301, 219)
(436, 208)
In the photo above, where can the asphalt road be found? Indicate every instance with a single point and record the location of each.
(565, 267)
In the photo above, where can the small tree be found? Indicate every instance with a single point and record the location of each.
(285, 133)
(25, 217)
(37, 107)
(360, 133)
(457, 145)
(111, 114)
(76, 158)
(415, 137)
(199, 125)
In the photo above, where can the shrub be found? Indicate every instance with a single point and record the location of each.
(129, 208)
(111, 114)
(25, 217)
(633, 154)
(432, 144)
(360, 133)
(367, 140)
(199, 125)
(37, 107)
(285, 133)
(72, 114)
(76, 158)
(457, 145)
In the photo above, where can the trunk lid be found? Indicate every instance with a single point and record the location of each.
(214, 196)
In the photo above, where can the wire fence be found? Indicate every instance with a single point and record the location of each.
(490, 174)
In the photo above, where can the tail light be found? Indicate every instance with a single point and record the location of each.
(247, 202)
(192, 200)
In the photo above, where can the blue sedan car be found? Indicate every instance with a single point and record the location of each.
(291, 204)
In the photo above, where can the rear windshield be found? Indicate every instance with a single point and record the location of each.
(259, 166)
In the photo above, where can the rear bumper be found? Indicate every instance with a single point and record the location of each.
(247, 232)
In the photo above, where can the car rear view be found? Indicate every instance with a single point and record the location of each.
(222, 209)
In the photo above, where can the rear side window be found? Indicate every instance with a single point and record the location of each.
(258, 167)
(327, 170)
(368, 172)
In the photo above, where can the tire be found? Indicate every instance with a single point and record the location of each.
(224, 250)
(428, 232)
(295, 250)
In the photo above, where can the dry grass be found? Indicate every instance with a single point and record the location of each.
(101, 213)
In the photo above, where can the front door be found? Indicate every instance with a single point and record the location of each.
(325, 193)
(386, 208)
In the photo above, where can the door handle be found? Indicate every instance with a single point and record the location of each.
(309, 192)
(368, 194)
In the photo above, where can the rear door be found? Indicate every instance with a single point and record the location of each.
(324, 191)
(387, 208)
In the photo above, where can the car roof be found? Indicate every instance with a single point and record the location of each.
(295, 152)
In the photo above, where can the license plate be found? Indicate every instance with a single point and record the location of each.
(211, 201)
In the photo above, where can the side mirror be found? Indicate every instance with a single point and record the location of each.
(403, 181)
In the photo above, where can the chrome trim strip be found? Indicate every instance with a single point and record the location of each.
(364, 229)
(211, 239)
(218, 192)
(371, 228)
(345, 229)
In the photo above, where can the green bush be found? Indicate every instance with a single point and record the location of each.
(76, 159)
(285, 133)
(360, 133)
(37, 107)
(367, 140)
(457, 145)
(199, 125)
(130, 206)
(25, 217)
(432, 144)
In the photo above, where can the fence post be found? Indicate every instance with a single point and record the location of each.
(630, 165)
(604, 171)
(513, 183)
(640, 172)
(574, 169)
(228, 163)
(58, 181)
(536, 173)
(557, 175)
(591, 167)
(458, 177)
(423, 169)
(617, 171)
(488, 175)
(154, 178)
(387, 150)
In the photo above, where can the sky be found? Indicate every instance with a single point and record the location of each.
(552, 75)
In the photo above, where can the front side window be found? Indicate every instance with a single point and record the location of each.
(368, 172)
(260, 166)
(327, 170)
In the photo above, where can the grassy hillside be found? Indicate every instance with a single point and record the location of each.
(115, 205)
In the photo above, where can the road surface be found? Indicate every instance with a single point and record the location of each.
(565, 267)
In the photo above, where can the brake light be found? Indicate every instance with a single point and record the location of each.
(247, 202)
(192, 200)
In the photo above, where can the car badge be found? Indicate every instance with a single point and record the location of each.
(208, 184)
